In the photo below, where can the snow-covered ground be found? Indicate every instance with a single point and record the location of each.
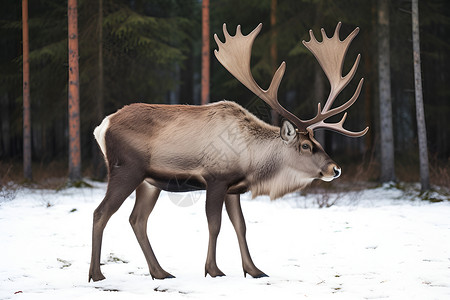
(373, 244)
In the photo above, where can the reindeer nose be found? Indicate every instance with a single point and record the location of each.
(337, 171)
(330, 172)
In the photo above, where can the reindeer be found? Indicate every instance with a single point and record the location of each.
(221, 148)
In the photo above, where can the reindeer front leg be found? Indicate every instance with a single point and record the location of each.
(233, 206)
(215, 195)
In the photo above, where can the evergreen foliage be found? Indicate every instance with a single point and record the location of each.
(151, 53)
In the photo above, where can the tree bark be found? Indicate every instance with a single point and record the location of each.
(420, 115)
(74, 94)
(384, 73)
(205, 52)
(97, 157)
(100, 109)
(5, 142)
(368, 91)
(27, 172)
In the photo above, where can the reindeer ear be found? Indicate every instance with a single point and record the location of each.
(288, 132)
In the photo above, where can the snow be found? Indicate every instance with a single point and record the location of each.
(373, 244)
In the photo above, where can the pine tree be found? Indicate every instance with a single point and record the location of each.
(384, 73)
(26, 95)
(205, 51)
(74, 94)
(420, 115)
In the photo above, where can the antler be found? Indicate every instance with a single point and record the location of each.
(330, 53)
(234, 54)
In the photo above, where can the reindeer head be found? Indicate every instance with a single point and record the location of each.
(307, 154)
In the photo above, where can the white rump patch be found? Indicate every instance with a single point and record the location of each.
(99, 134)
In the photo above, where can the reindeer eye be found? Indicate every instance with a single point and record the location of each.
(305, 147)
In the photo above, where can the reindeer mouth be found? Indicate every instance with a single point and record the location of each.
(327, 178)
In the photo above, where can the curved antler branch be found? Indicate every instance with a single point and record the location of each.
(234, 54)
(330, 53)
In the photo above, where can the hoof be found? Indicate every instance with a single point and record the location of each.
(96, 277)
(262, 275)
(214, 273)
(162, 276)
(257, 274)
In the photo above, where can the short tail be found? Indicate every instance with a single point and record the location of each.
(99, 134)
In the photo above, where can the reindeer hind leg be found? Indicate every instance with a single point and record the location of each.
(146, 197)
(122, 182)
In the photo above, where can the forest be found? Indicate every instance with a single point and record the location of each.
(151, 51)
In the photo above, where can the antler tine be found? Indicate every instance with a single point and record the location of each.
(338, 28)
(234, 54)
(330, 53)
(338, 127)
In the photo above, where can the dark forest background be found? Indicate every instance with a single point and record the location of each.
(151, 52)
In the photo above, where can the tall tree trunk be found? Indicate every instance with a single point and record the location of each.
(26, 95)
(97, 158)
(274, 50)
(5, 142)
(384, 75)
(100, 94)
(205, 52)
(368, 61)
(74, 94)
(420, 115)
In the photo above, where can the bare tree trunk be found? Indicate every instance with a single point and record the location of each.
(74, 94)
(420, 115)
(5, 126)
(26, 95)
(100, 94)
(205, 52)
(384, 73)
(368, 61)
(274, 50)
(97, 158)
